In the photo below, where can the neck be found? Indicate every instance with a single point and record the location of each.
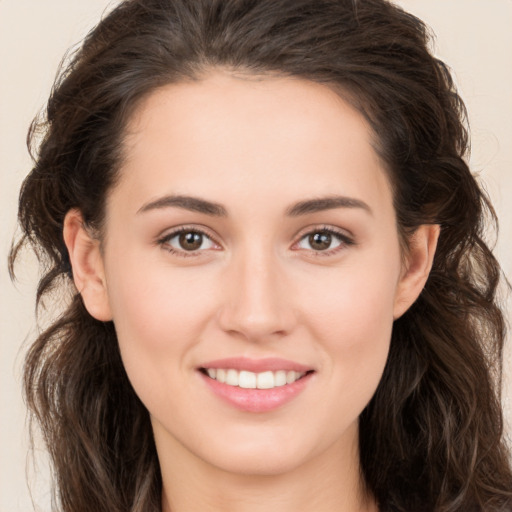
(329, 482)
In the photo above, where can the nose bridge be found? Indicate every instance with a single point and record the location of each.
(256, 303)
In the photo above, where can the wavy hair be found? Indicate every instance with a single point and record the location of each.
(431, 439)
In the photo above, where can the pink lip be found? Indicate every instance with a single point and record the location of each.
(272, 364)
(257, 400)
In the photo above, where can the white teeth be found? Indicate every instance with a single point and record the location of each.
(280, 378)
(251, 380)
(246, 380)
(232, 377)
(265, 380)
(291, 376)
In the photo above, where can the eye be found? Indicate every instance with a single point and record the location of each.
(187, 242)
(325, 240)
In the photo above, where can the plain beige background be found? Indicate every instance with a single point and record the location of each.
(473, 37)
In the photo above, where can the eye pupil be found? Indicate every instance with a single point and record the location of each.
(320, 241)
(190, 241)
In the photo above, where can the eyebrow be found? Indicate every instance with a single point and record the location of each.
(326, 203)
(196, 204)
(193, 204)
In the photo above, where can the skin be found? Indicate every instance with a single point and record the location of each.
(256, 287)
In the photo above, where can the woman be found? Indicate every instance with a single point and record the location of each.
(281, 299)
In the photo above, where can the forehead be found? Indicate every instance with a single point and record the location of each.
(234, 137)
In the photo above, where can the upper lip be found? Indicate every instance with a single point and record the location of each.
(257, 365)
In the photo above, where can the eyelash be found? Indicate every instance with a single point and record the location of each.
(164, 241)
(344, 239)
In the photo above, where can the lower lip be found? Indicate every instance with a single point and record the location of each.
(257, 400)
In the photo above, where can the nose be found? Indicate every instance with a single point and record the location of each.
(257, 300)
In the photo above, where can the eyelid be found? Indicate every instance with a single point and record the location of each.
(346, 239)
(162, 240)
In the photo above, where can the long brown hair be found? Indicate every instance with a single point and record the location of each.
(431, 439)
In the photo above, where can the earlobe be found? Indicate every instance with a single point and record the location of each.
(87, 264)
(419, 259)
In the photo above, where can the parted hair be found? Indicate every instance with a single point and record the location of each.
(431, 438)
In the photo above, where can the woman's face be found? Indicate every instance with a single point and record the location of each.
(252, 235)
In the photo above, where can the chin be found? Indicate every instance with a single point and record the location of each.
(258, 463)
(269, 454)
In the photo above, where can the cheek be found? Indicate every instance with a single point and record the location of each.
(351, 311)
(155, 304)
(158, 321)
(159, 316)
(355, 299)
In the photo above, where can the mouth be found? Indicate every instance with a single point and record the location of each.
(256, 385)
(251, 380)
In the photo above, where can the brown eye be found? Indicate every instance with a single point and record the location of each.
(324, 241)
(187, 242)
(190, 241)
(320, 241)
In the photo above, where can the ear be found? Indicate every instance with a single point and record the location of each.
(416, 268)
(87, 264)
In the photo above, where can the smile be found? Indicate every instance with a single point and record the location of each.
(256, 385)
(251, 380)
